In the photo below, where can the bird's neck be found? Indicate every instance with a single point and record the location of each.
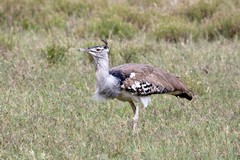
(102, 68)
(107, 85)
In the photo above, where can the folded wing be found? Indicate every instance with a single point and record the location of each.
(143, 80)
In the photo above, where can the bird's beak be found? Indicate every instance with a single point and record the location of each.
(83, 50)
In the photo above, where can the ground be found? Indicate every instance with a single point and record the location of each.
(46, 86)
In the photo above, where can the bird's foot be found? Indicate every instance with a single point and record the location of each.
(134, 127)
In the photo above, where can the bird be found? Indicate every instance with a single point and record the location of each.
(131, 82)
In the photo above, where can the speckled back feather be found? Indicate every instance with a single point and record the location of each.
(143, 80)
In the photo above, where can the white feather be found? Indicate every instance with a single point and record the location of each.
(145, 101)
(137, 84)
(132, 75)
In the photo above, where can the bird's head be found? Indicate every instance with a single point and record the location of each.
(97, 51)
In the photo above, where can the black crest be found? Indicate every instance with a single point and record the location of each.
(105, 42)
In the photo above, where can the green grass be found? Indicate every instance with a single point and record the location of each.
(46, 108)
(201, 10)
(55, 53)
(174, 29)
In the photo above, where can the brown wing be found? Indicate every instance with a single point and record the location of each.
(142, 79)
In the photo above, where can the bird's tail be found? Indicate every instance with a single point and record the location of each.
(187, 94)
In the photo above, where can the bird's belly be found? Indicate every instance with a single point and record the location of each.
(126, 96)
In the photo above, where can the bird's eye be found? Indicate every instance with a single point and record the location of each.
(98, 49)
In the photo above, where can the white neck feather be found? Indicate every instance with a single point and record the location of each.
(102, 68)
(107, 85)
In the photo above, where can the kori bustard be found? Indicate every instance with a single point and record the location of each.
(133, 83)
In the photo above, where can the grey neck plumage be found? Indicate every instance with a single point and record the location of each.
(107, 86)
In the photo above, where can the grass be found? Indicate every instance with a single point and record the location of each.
(46, 111)
(174, 29)
(55, 53)
(201, 10)
(108, 28)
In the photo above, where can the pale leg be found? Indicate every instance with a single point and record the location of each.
(136, 115)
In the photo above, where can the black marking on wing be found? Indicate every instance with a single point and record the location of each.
(119, 75)
(144, 88)
(149, 80)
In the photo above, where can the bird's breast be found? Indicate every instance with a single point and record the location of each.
(108, 87)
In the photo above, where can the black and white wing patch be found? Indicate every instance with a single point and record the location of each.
(142, 86)
(140, 80)
(143, 80)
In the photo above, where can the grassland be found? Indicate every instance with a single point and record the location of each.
(46, 109)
